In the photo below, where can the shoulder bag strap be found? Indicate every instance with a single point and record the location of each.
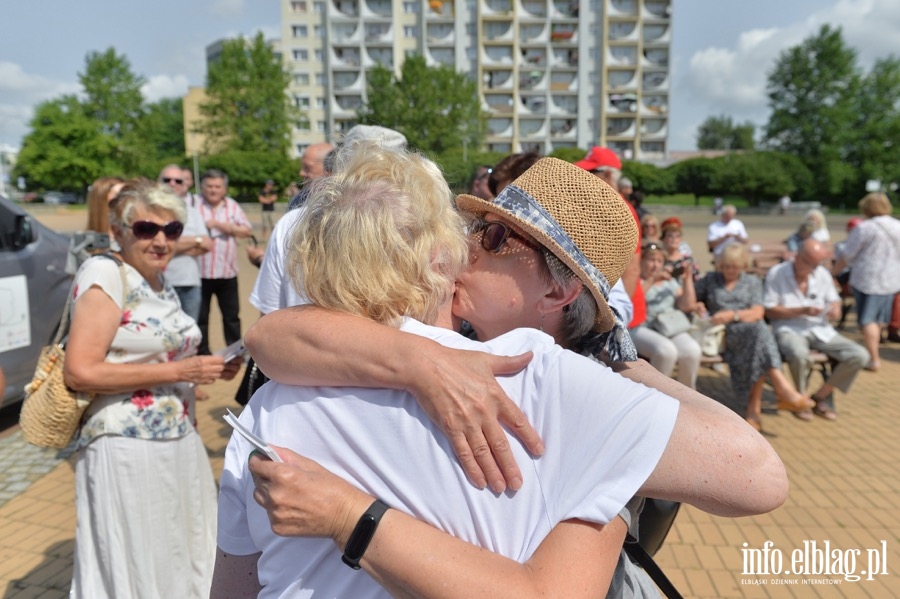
(643, 559)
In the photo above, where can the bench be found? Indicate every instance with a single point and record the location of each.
(821, 362)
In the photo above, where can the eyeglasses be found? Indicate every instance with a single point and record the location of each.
(172, 180)
(144, 229)
(494, 234)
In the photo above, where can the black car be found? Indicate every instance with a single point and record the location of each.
(33, 290)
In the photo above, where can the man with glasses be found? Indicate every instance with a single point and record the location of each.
(800, 300)
(226, 222)
(183, 272)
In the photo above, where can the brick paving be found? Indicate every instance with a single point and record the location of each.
(844, 490)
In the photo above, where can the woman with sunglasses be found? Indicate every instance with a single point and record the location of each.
(144, 491)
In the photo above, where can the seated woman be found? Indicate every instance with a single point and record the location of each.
(677, 252)
(649, 228)
(667, 296)
(145, 495)
(733, 297)
(515, 260)
(792, 244)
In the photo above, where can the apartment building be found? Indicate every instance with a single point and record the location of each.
(551, 73)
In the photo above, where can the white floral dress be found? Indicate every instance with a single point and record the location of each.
(153, 329)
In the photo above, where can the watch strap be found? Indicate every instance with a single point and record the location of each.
(362, 534)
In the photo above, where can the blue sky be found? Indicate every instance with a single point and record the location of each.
(721, 51)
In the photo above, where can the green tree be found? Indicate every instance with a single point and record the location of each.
(248, 107)
(811, 93)
(436, 108)
(112, 93)
(649, 179)
(572, 155)
(161, 128)
(720, 133)
(757, 176)
(876, 150)
(66, 149)
(697, 176)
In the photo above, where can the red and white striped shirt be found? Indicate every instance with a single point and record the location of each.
(221, 262)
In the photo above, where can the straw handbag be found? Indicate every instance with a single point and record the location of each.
(51, 412)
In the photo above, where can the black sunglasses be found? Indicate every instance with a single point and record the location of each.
(494, 234)
(144, 229)
(172, 180)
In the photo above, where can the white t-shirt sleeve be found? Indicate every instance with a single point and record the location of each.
(235, 490)
(103, 273)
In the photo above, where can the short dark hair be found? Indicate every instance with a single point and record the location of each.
(214, 173)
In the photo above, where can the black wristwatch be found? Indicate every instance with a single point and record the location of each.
(362, 534)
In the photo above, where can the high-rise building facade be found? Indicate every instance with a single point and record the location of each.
(551, 73)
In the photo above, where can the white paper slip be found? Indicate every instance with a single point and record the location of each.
(232, 351)
(256, 441)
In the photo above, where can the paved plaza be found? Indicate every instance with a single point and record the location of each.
(839, 530)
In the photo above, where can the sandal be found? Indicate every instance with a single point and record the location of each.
(825, 412)
(798, 405)
(755, 423)
(804, 415)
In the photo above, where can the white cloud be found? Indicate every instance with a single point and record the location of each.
(164, 86)
(19, 93)
(227, 8)
(731, 81)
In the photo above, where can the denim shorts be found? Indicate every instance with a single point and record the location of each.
(872, 308)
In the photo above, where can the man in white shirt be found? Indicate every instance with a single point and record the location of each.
(726, 230)
(183, 271)
(800, 299)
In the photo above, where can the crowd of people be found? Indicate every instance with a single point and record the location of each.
(552, 274)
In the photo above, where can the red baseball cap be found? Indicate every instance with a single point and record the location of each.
(852, 223)
(599, 157)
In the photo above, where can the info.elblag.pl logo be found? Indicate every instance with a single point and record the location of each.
(815, 558)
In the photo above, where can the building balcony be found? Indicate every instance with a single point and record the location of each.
(536, 9)
(622, 78)
(654, 104)
(377, 9)
(622, 103)
(656, 34)
(350, 103)
(378, 33)
(563, 128)
(622, 8)
(497, 31)
(533, 105)
(532, 80)
(623, 30)
(532, 33)
(653, 128)
(625, 149)
(565, 57)
(345, 33)
(619, 127)
(563, 104)
(348, 82)
(622, 56)
(440, 57)
(656, 57)
(564, 9)
(500, 127)
(652, 150)
(499, 103)
(565, 81)
(345, 58)
(439, 9)
(344, 8)
(563, 35)
(655, 80)
(382, 56)
(496, 7)
(656, 9)
(497, 55)
(439, 33)
(532, 127)
(534, 57)
(498, 80)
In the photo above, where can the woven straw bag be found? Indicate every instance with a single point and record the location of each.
(51, 411)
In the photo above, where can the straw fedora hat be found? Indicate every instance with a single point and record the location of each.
(575, 215)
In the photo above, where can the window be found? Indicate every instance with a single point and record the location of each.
(301, 101)
(302, 125)
(298, 6)
(410, 7)
(300, 30)
(318, 54)
(301, 55)
(301, 148)
(318, 31)
(301, 78)
(320, 126)
(318, 7)
(410, 31)
(320, 102)
(320, 78)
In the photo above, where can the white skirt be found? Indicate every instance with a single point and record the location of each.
(146, 519)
